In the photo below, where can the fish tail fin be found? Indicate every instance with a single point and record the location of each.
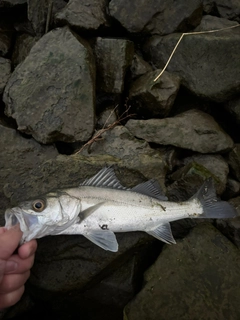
(213, 207)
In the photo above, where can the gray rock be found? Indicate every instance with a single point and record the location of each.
(5, 38)
(139, 66)
(52, 93)
(233, 107)
(232, 189)
(229, 10)
(208, 64)
(5, 72)
(193, 129)
(107, 117)
(90, 15)
(37, 15)
(209, 22)
(12, 3)
(234, 161)
(23, 45)
(156, 17)
(113, 58)
(191, 280)
(154, 98)
(133, 153)
(18, 157)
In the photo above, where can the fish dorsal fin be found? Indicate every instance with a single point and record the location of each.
(105, 239)
(163, 232)
(105, 178)
(150, 188)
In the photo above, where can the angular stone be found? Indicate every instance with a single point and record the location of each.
(5, 38)
(156, 17)
(88, 15)
(229, 10)
(234, 161)
(23, 45)
(207, 63)
(154, 98)
(37, 15)
(5, 72)
(139, 66)
(193, 129)
(209, 22)
(113, 58)
(52, 93)
(12, 3)
(195, 279)
(232, 189)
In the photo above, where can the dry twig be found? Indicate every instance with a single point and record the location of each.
(188, 34)
(106, 127)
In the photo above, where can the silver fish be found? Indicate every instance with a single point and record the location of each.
(101, 206)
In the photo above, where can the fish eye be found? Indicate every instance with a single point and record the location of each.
(38, 205)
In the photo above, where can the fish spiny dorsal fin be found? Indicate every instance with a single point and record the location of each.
(150, 188)
(105, 178)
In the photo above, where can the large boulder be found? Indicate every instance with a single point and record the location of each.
(52, 93)
(193, 129)
(156, 17)
(195, 279)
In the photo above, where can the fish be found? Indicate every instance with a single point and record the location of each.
(101, 206)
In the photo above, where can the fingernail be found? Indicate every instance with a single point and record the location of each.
(10, 266)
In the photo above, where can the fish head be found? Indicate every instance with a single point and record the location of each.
(47, 215)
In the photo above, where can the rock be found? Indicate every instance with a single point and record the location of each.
(232, 189)
(23, 45)
(18, 158)
(12, 3)
(156, 17)
(90, 15)
(154, 98)
(139, 66)
(233, 107)
(234, 161)
(216, 164)
(229, 10)
(207, 63)
(133, 153)
(191, 280)
(209, 22)
(113, 58)
(193, 130)
(57, 80)
(37, 15)
(107, 117)
(5, 72)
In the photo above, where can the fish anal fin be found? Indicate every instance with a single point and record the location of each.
(150, 188)
(105, 239)
(163, 232)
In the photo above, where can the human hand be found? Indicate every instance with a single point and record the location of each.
(14, 267)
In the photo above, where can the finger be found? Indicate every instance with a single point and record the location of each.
(9, 241)
(27, 249)
(9, 299)
(12, 282)
(21, 265)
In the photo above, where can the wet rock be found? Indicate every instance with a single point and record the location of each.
(57, 80)
(18, 157)
(139, 66)
(234, 161)
(134, 154)
(156, 17)
(191, 280)
(23, 45)
(113, 58)
(193, 129)
(90, 15)
(215, 77)
(5, 72)
(154, 98)
(233, 107)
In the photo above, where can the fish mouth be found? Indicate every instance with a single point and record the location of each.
(16, 215)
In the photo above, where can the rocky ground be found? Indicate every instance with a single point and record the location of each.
(77, 92)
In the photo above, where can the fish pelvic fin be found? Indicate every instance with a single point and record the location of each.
(163, 232)
(105, 239)
(213, 207)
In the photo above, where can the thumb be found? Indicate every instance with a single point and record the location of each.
(9, 241)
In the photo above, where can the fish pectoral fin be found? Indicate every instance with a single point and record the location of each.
(86, 213)
(163, 232)
(105, 239)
